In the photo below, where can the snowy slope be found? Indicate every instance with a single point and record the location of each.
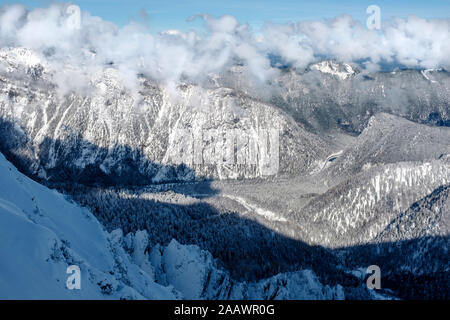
(134, 138)
(358, 209)
(342, 71)
(42, 233)
(193, 272)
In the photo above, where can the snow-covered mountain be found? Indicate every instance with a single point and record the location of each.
(357, 210)
(42, 233)
(363, 167)
(132, 138)
(120, 134)
(335, 95)
(388, 139)
(342, 71)
(427, 217)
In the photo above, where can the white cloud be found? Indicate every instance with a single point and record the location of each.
(171, 55)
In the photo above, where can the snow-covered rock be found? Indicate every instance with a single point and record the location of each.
(42, 233)
(342, 71)
(133, 135)
(193, 272)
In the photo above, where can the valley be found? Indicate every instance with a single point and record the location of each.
(362, 179)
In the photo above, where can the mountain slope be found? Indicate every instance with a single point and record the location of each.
(412, 251)
(429, 216)
(358, 209)
(388, 139)
(134, 136)
(42, 233)
(334, 95)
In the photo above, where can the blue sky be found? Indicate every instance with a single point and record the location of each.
(172, 14)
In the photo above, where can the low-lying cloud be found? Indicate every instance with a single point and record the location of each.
(173, 55)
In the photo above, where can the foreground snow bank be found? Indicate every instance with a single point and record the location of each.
(42, 233)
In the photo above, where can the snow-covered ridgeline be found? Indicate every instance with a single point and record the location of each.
(101, 128)
(356, 212)
(42, 233)
(342, 71)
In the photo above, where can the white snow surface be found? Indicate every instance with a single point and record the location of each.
(42, 233)
(342, 71)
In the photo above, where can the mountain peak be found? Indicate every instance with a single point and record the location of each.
(20, 57)
(341, 70)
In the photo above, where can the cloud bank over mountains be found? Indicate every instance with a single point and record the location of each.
(173, 55)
